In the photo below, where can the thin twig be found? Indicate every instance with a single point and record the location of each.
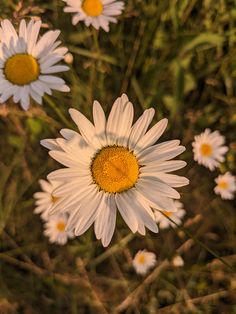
(136, 294)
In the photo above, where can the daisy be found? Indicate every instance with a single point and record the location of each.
(208, 149)
(27, 64)
(98, 13)
(143, 261)
(162, 217)
(55, 229)
(226, 186)
(113, 165)
(45, 199)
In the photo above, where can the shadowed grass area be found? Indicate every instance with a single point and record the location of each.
(175, 56)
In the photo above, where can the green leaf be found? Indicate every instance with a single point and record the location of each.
(209, 39)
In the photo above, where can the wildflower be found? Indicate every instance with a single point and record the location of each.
(208, 149)
(143, 261)
(111, 165)
(45, 199)
(27, 64)
(98, 13)
(162, 217)
(55, 229)
(226, 186)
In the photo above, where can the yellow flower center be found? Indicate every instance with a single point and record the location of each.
(21, 69)
(92, 7)
(168, 214)
(206, 150)
(141, 259)
(223, 185)
(115, 169)
(61, 226)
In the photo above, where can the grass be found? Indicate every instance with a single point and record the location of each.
(175, 56)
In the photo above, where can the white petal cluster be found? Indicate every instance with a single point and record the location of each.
(110, 10)
(45, 50)
(143, 261)
(87, 202)
(55, 225)
(226, 186)
(44, 199)
(55, 229)
(209, 149)
(162, 217)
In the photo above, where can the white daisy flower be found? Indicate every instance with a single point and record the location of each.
(98, 13)
(176, 216)
(208, 149)
(27, 64)
(143, 261)
(45, 199)
(226, 186)
(113, 165)
(55, 229)
(178, 261)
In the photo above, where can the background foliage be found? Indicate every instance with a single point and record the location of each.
(179, 57)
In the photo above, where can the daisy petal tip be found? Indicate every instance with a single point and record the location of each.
(43, 143)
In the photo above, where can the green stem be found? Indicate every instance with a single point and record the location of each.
(57, 111)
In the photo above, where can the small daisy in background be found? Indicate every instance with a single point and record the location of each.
(143, 261)
(45, 199)
(226, 186)
(115, 165)
(162, 217)
(28, 64)
(177, 261)
(55, 229)
(208, 149)
(98, 13)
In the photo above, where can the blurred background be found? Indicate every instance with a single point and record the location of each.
(178, 56)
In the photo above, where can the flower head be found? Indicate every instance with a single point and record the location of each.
(98, 13)
(208, 149)
(143, 261)
(162, 217)
(226, 186)
(45, 199)
(113, 165)
(55, 229)
(27, 64)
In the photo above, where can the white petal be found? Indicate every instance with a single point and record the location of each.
(85, 127)
(99, 122)
(140, 127)
(127, 214)
(152, 135)
(105, 222)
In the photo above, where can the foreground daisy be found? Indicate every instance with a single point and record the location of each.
(143, 261)
(98, 13)
(113, 165)
(208, 149)
(27, 64)
(162, 217)
(45, 200)
(55, 229)
(226, 186)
